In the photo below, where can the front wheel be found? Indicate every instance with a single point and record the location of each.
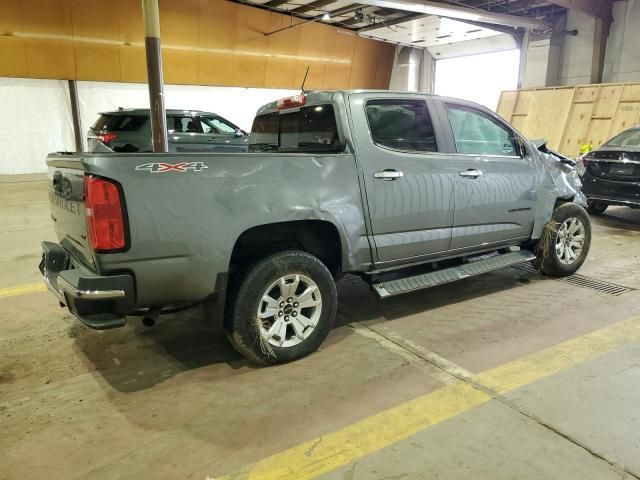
(565, 242)
(284, 308)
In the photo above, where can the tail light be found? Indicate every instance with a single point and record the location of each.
(291, 102)
(107, 137)
(104, 214)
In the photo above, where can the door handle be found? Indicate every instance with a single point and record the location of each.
(470, 173)
(213, 140)
(388, 174)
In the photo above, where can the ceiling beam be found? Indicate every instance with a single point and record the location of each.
(275, 3)
(461, 13)
(391, 23)
(317, 5)
(597, 8)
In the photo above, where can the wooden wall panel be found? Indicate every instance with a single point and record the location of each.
(205, 42)
(133, 66)
(217, 39)
(338, 66)
(92, 23)
(13, 59)
(49, 47)
(283, 53)
(386, 54)
(507, 104)
(312, 49)
(575, 130)
(548, 107)
(180, 34)
(365, 63)
(569, 117)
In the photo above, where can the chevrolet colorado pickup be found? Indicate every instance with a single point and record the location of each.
(335, 182)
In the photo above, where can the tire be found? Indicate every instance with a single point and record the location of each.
(596, 208)
(280, 329)
(554, 258)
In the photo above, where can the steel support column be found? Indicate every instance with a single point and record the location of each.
(75, 115)
(151, 18)
(600, 36)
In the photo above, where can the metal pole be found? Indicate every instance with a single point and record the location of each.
(151, 18)
(75, 115)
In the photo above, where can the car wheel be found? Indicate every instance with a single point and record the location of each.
(565, 242)
(284, 308)
(596, 208)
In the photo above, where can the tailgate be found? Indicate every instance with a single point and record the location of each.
(66, 202)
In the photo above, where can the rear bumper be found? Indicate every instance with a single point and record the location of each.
(100, 302)
(610, 191)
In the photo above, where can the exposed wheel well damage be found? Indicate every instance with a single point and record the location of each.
(316, 237)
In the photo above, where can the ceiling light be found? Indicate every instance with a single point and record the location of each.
(326, 16)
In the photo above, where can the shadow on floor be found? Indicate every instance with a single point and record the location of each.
(136, 358)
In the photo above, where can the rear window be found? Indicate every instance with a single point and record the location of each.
(401, 124)
(630, 138)
(119, 123)
(309, 129)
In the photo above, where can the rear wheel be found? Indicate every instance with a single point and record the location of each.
(565, 242)
(596, 208)
(284, 308)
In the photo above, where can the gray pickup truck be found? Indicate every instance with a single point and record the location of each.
(361, 182)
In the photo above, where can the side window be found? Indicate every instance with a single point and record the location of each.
(216, 125)
(401, 125)
(476, 133)
(183, 124)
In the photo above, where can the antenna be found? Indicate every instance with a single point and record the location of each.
(304, 79)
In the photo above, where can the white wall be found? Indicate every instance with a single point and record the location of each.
(622, 61)
(35, 120)
(479, 78)
(36, 115)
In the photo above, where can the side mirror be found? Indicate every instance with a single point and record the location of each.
(240, 133)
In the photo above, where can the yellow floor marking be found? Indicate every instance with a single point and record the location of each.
(333, 450)
(22, 289)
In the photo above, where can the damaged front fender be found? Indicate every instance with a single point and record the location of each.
(558, 179)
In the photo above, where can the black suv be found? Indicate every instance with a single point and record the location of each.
(612, 173)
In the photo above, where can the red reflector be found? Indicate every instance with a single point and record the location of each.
(108, 137)
(291, 102)
(103, 213)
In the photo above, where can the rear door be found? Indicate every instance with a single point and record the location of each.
(184, 134)
(222, 136)
(495, 187)
(409, 185)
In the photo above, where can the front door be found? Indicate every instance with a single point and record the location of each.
(408, 183)
(222, 136)
(495, 188)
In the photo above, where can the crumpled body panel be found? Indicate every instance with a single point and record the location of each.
(558, 178)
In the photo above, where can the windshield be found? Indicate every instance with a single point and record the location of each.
(312, 128)
(630, 138)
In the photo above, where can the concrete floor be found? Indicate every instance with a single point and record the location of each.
(175, 401)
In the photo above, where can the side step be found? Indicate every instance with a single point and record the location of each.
(431, 279)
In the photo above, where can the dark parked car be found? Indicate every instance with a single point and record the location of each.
(612, 173)
(129, 130)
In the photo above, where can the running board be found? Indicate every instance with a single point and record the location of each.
(439, 277)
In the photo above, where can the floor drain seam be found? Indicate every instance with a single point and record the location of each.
(583, 281)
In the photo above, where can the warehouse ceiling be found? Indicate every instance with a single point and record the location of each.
(468, 26)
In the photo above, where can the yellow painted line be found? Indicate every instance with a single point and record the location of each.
(22, 289)
(336, 449)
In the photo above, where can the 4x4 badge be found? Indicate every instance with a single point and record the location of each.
(161, 167)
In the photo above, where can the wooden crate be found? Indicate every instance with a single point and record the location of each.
(568, 117)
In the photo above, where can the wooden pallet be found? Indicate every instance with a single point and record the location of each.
(568, 117)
